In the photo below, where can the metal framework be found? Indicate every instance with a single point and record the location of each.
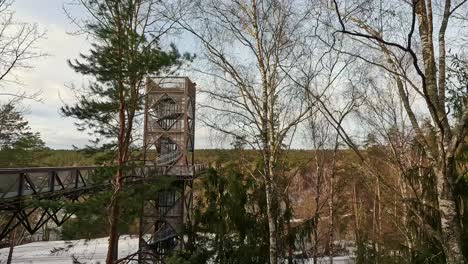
(23, 189)
(169, 145)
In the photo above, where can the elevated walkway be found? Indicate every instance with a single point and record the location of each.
(22, 188)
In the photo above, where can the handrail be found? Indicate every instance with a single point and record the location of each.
(21, 187)
(168, 158)
(45, 169)
(52, 181)
(67, 168)
(164, 233)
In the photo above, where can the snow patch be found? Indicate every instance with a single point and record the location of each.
(55, 252)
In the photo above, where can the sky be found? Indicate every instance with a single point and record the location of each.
(53, 76)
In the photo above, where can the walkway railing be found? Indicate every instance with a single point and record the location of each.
(20, 182)
(169, 158)
(20, 188)
(63, 181)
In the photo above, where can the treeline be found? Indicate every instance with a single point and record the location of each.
(373, 214)
(20, 146)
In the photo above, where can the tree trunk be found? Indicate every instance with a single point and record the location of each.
(357, 228)
(450, 223)
(114, 209)
(268, 140)
(271, 222)
(378, 222)
(316, 218)
(331, 223)
(331, 201)
(374, 224)
(289, 232)
(12, 246)
(449, 218)
(315, 235)
(16, 238)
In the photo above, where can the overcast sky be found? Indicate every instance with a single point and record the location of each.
(53, 76)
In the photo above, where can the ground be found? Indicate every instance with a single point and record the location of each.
(55, 252)
(89, 251)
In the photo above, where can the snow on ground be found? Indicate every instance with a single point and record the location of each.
(92, 251)
(54, 252)
(336, 260)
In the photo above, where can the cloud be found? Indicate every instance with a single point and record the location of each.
(51, 75)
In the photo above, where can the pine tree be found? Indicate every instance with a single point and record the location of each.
(18, 144)
(228, 208)
(12, 125)
(125, 49)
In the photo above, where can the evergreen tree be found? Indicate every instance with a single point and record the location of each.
(19, 146)
(12, 125)
(229, 221)
(125, 49)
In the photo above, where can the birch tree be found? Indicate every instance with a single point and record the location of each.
(249, 50)
(404, 175)
(422, 42)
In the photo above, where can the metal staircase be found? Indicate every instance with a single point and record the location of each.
(170, 206)
(169, 143)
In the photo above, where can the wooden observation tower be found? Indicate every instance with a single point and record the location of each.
(169, 131)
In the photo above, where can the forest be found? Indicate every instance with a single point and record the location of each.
(326, 129)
